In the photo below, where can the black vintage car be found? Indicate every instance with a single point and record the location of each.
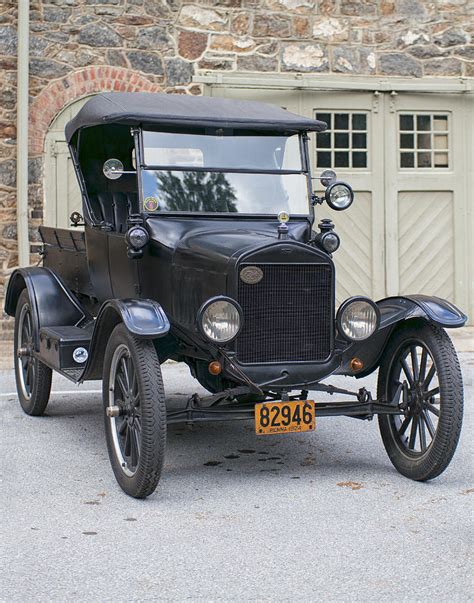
(198, 246)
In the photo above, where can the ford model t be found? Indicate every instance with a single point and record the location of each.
(198, 243)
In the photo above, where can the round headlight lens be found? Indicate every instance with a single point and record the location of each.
(330, 241)
(358, 319)
(220, 321)
(339, 196)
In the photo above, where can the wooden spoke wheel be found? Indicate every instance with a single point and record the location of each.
(135, 412)
(422, 359)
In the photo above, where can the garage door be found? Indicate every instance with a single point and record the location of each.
(405, 156)
(62, 194)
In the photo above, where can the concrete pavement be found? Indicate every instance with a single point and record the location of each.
(322, 516)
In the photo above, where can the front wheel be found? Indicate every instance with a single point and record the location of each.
(135, 412)
(422, 358)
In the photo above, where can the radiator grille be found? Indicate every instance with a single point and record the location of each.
(287, 315)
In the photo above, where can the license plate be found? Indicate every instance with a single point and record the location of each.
(284, 417)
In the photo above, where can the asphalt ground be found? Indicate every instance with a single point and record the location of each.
(314, 517)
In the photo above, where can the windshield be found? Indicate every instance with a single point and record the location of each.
(209, 173)
(221, 152)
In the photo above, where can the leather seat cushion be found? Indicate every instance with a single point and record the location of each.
(114, 208)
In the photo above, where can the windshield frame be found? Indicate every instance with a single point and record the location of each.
(141, 166)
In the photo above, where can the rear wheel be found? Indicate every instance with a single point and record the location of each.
(33, 378)
(421, 443)
(135, 412)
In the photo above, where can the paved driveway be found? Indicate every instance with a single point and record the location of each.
(316, 517)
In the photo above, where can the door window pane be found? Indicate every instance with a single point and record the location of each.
(407, 160)
(359, 160)
(359, 121)
(423, 122)
(341, 141)
(341, 159)
(344, 144)
(406, 122)
(323, 159)
(324, 140)
(440, 123)
(406, 141)
(424, 159)
(424, 140)
(359, 140)
(441, 160)
(341, 121)
(326, 117)
(440, 141)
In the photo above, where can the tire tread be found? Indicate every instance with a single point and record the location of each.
(449, 428)
(153, 408)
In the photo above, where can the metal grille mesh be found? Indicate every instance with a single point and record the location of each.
(287, 315)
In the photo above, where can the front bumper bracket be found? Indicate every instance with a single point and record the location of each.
(225, 407)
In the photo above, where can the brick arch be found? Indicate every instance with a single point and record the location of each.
(83, 82)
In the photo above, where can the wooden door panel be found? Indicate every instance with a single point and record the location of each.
(354, 258)
(426, 243)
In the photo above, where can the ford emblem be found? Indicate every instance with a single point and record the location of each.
(251, 275)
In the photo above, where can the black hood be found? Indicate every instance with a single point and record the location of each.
(213, 242)
(198, 256)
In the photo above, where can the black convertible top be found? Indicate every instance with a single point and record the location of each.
(134, 108)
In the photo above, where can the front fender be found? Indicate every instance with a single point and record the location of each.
(434, 309)
(394, 311)
(144, 318)
(52, 303)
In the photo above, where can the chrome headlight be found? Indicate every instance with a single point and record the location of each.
(220, 319)
(358, 318)
(339, 195)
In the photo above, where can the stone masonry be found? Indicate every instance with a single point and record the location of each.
(78, 47)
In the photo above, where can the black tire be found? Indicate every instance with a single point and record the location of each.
(136, 438)
(33, 378)
(419, 354)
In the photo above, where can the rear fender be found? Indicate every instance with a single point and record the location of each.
(393, 312)
(52, 303)
(143, 318)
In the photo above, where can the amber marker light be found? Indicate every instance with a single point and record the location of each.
(357, 364)
(215, 367)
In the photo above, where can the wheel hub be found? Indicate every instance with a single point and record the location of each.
(129, 409)
(415, 399)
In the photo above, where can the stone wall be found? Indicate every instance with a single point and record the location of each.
(82, 46)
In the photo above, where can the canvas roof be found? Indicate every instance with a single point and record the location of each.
(135, 108)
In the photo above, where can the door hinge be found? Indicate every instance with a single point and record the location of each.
(375, 101)
(53, 149)
(393, 98)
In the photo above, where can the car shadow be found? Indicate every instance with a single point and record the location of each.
(231, 448)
